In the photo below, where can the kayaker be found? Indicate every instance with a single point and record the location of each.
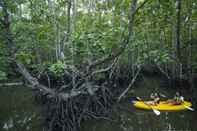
(178, 99)
(155, 99)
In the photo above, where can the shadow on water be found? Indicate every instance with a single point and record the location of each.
(127, 118)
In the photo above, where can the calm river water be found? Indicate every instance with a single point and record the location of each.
(19, 112)
(126, 118)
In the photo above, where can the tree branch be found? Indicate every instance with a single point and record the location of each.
(11, 84)
(130, 85)
(22, 69)
(105, 69)
(162, 71)
(125, 42)
(142, 5)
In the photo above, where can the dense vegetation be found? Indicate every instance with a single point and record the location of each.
(73, 48)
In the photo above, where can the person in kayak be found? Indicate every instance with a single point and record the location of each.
(178, 99)
(155, 99)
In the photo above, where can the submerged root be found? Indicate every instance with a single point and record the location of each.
(68, 115)
(93, 102)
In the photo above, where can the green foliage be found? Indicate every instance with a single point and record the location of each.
(57, 69)
(4, 70)
(97, 29)
(24, 58)
(3, 76)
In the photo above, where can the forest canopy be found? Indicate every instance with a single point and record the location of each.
(76, 52)
(80, 31)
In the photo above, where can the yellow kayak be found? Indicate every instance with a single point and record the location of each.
(162, 106)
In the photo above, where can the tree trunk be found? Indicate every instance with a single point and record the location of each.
(9, 41)
(178, 29)
(190, 58)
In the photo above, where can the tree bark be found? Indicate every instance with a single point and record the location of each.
(68, 17)
(178, 29)
(190, 57)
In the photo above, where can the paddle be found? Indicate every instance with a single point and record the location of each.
(162, 95)
(154, 110)
(189, 108)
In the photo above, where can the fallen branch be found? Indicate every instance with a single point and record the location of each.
(105, 69)
(11, 45)
(130, 85)
(12, 84)
(162, 71)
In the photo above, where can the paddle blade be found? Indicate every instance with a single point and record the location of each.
(133, 102)
(156, 112)
(189, 108)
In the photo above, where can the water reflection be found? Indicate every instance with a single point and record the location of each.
(140, 120)
(127, 118)
(18, 110)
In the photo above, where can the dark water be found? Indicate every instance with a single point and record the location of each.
(19, 112)
(131, 119)
(127, 118)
